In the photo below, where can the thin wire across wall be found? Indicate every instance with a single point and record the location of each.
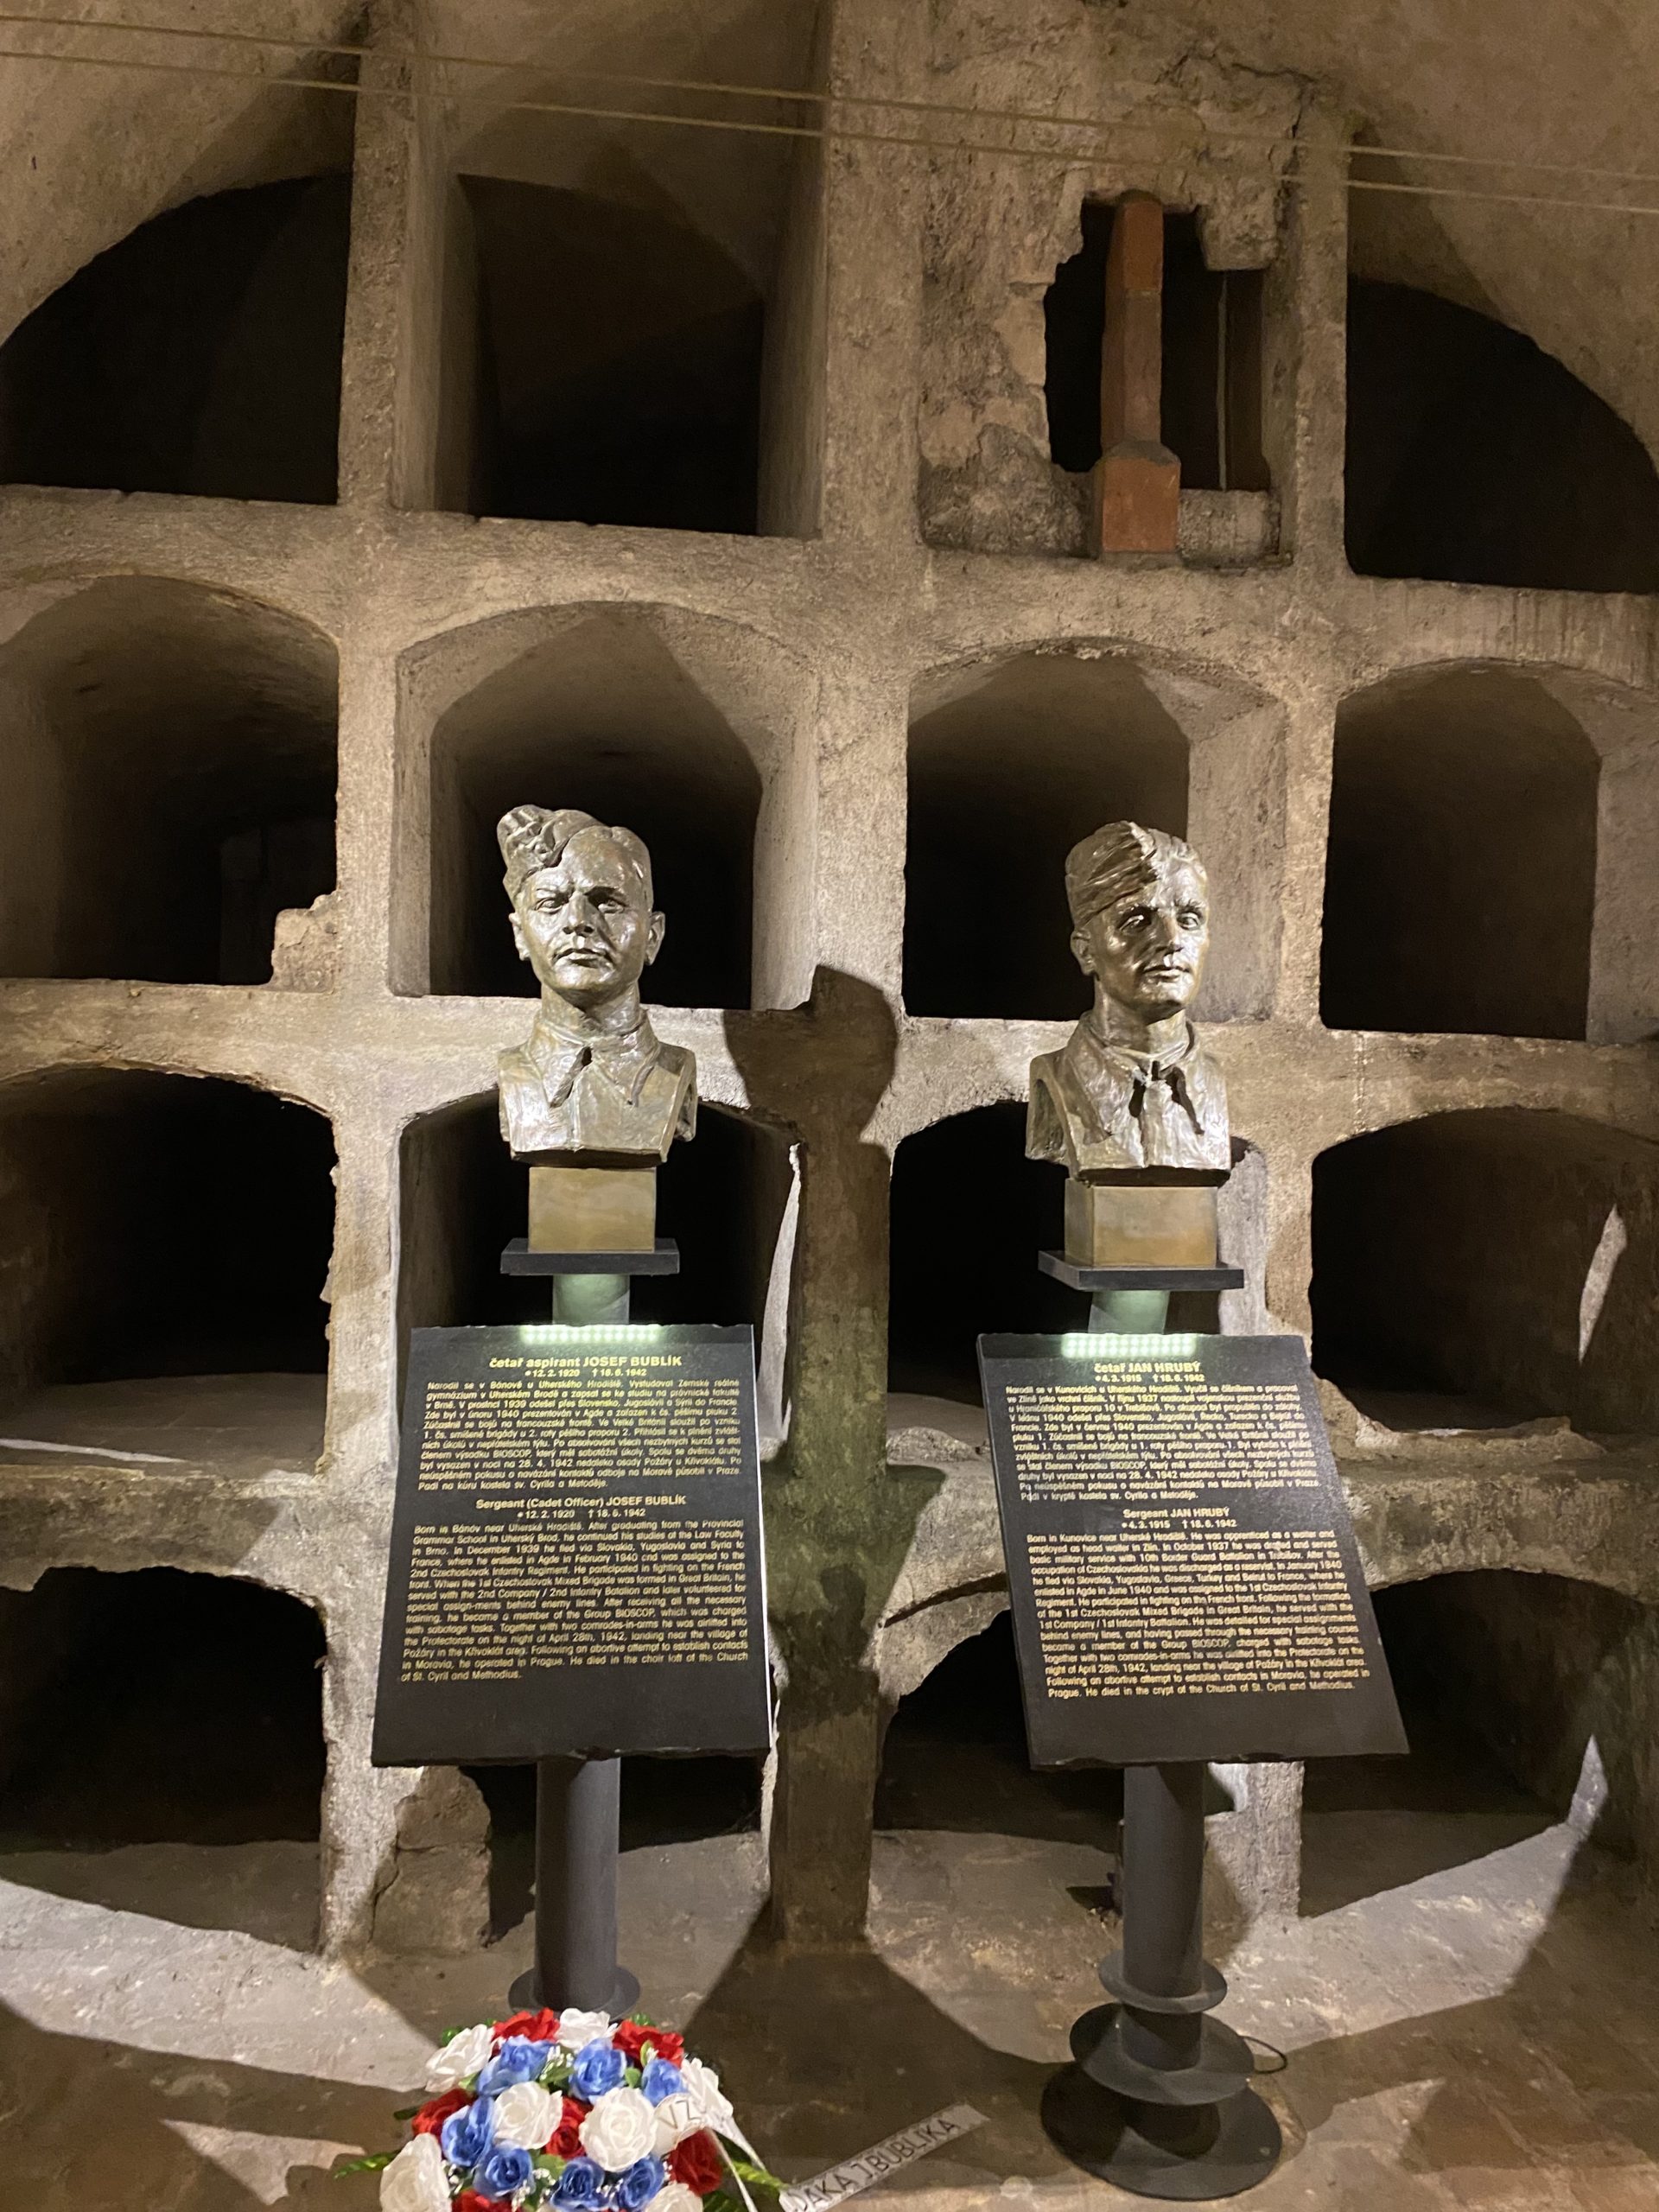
(1211, 146)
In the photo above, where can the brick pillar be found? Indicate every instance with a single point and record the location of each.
(1137, 486)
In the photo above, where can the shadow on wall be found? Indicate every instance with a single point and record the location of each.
(1475, 457)
(1506, 1257)
(132, 1246)
(201, 354)
(1010, 765)
(1460, 870)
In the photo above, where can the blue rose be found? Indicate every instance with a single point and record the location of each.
(640, 2184)
(518, 2060)
(661, 2080)
(467, 2134)
(503, 2170)
(581, 2185)
(598, 2068)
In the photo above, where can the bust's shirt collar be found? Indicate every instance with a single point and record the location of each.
(1137, 1073)
(618, 1043)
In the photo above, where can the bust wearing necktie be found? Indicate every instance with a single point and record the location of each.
(592, 1080)
(1132, 1089)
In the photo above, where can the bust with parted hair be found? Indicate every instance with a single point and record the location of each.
(1134, 1089)
(593, 1079)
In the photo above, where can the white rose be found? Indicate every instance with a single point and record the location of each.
(525, 2115)
(578, 2028)
(675, 2196)
(676, 2118)
(620, 2128)
(414, 2181)
(462, 2058)
(709, 2101)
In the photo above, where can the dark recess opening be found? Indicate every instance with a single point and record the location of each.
(602, 718)
(955, 1758)
(1487, 1266)
(1502, 1678)
(203, 724)
(158, 1707)
(1210, 397)
(970, 1212)
(618, 366)
(160, 1225)
(663, 1802)
(1460, 868)
(1007, 771)
(1475, 457)
(201, 354)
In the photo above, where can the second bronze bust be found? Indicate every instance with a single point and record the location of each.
(1134, 1088)
(593, 1078)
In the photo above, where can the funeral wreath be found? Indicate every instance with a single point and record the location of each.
(575, 2111)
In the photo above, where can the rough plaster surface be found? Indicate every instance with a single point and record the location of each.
(824, 639)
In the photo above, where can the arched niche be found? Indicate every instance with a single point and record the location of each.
(171, 773)
(166, 1245)
(692, 733)
(623, 301)
(201, 354)
(954, 1759)
(1476, 1269)
(968, 1214)
(1011, 762)
(162, 1747)
(1461, 864)
(1530, 1700)
(1475, 457)
(725, 1196)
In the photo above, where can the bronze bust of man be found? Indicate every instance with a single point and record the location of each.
(1134, 1089)
(593, 1078)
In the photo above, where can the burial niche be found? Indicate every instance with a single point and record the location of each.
(158, 1230)
(1475, 457)
(172, 1711)
(200, 355)
(1210, 385)
(954, 1759)
(1460, 868)
(1011, 762)
(1477, 1270)
(968, 1214)
(1528, 1699)
(170, 785)
(606, 717)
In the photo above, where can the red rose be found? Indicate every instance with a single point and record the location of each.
(430, 2117)
(632, 2038)
(470, 2201)
(697, 2163)
(565, 2142)
(539, 2027)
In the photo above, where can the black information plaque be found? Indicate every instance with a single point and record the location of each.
(576, 1556)
(1184, 1579)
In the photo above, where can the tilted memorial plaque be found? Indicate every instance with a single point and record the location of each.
(1183, 1571)
(576, 1560)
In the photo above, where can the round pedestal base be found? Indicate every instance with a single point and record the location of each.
(525, 1994)
(1184, 2154)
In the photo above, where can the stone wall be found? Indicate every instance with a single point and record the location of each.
(920, 558)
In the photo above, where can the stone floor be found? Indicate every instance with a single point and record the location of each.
(1467, 2012)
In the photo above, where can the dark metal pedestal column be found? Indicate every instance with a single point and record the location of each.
(1158, 2098)
(577, 1804)
(578, 1801)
